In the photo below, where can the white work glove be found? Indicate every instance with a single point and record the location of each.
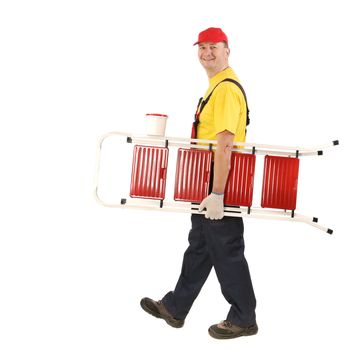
(214, 205)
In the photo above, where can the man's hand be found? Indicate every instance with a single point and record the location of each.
(214, 205)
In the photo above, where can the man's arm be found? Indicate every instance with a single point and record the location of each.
(222, 163)
(222, 160)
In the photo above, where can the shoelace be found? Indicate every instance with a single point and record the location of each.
(227, 324)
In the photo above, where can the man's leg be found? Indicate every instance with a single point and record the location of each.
(196, 267)
(226, 246)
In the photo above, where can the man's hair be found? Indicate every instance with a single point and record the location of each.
(225, 44)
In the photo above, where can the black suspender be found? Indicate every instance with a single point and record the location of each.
(243, 92)
(202, 103)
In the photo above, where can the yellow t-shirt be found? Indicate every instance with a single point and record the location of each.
(225, 110)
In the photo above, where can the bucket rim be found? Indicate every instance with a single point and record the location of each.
(157, 115)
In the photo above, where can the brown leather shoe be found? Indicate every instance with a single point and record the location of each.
(227, 330)
(157, 309)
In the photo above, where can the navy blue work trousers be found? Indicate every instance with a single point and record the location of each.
(217, 243)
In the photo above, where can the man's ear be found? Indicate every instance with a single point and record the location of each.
(228, 51)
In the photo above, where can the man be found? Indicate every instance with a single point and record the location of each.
(215, 240)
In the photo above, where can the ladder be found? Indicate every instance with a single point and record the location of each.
(193, 171)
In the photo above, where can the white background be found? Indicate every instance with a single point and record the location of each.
(72, 273)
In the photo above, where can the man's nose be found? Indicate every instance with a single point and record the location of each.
(207, 51)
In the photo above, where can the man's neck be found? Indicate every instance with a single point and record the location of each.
(211, 73)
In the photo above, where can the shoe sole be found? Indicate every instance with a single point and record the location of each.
(231, 336)
(158, 315)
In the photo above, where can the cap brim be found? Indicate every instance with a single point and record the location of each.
(217, 41)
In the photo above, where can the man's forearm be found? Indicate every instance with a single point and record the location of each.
(222, 164)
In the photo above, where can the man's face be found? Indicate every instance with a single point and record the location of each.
(213, 56)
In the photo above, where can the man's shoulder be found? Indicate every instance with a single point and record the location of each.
(225, 87)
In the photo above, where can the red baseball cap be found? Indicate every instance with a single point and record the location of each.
(212, 35)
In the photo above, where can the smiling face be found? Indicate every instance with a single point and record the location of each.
(213, 57)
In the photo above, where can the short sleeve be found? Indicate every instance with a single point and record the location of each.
(226, 108)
